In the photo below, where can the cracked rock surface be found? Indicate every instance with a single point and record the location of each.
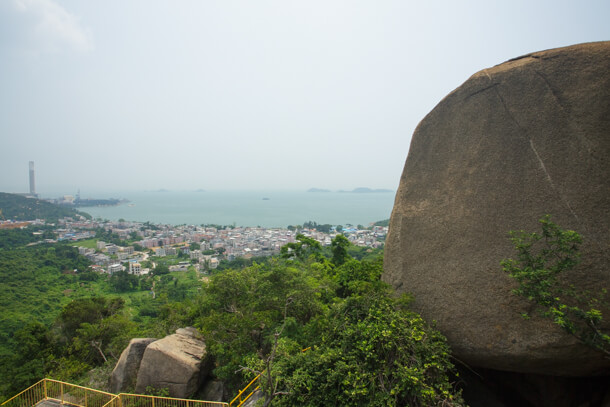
(517, 141)
(177, 362)
(126, 370)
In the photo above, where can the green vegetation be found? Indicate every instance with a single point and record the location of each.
(302, 248)
(89, 243)
(385, 222)
(37, 282)
(109, 237)
(365, 346)
(17, 207)
(240, 263)
(325, 228)
(49, 297)
(373, 351)
(11, 238)
(339, 248)
(544, 261)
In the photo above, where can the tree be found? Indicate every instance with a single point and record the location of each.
(96, 342)
(355, 276)
(240, 310)
(302, 248)
(339, 247)
(325, 228)
(89, 310)
(122, 281)
(372, 351)
(160, 269)
(31, 351)
(543, 261)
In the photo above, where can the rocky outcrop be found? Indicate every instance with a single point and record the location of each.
(517, 141)
(213, 390)
(125, 372)
(178, 362)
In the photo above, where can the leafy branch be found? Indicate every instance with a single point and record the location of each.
(543, 261)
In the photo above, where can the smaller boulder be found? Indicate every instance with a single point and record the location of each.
(213, 390)
(126, 370)
(178, 362)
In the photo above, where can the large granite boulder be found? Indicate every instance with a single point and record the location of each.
(125, 372)
(178, 362)
(523, 139)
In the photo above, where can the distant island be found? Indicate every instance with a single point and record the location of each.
(318, 190)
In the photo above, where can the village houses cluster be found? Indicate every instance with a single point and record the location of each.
(212, 243)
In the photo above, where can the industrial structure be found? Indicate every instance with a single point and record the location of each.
(32, 180)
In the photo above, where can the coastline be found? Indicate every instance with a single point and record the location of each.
(248, 208)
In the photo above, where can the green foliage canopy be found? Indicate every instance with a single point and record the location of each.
(302, 248)
(17, 207)
(367, 348)
(374, 352)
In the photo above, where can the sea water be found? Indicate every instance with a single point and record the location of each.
(250, 208)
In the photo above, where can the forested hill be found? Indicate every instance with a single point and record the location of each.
(17, 207)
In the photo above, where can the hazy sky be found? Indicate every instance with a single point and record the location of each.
(118, 95)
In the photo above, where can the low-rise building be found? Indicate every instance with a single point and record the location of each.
(115, 268)
(135, 268)
(195, 254)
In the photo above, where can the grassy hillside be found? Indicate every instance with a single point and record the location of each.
(17, 207)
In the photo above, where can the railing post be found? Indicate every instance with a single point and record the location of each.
(45, 389)
(61, 391)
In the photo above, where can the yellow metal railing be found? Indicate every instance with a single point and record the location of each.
(73, 395)
(141, 400)
(60, 392)
(240, 399)
(29, 396)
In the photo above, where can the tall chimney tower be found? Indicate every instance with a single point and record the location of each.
(32, 179)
